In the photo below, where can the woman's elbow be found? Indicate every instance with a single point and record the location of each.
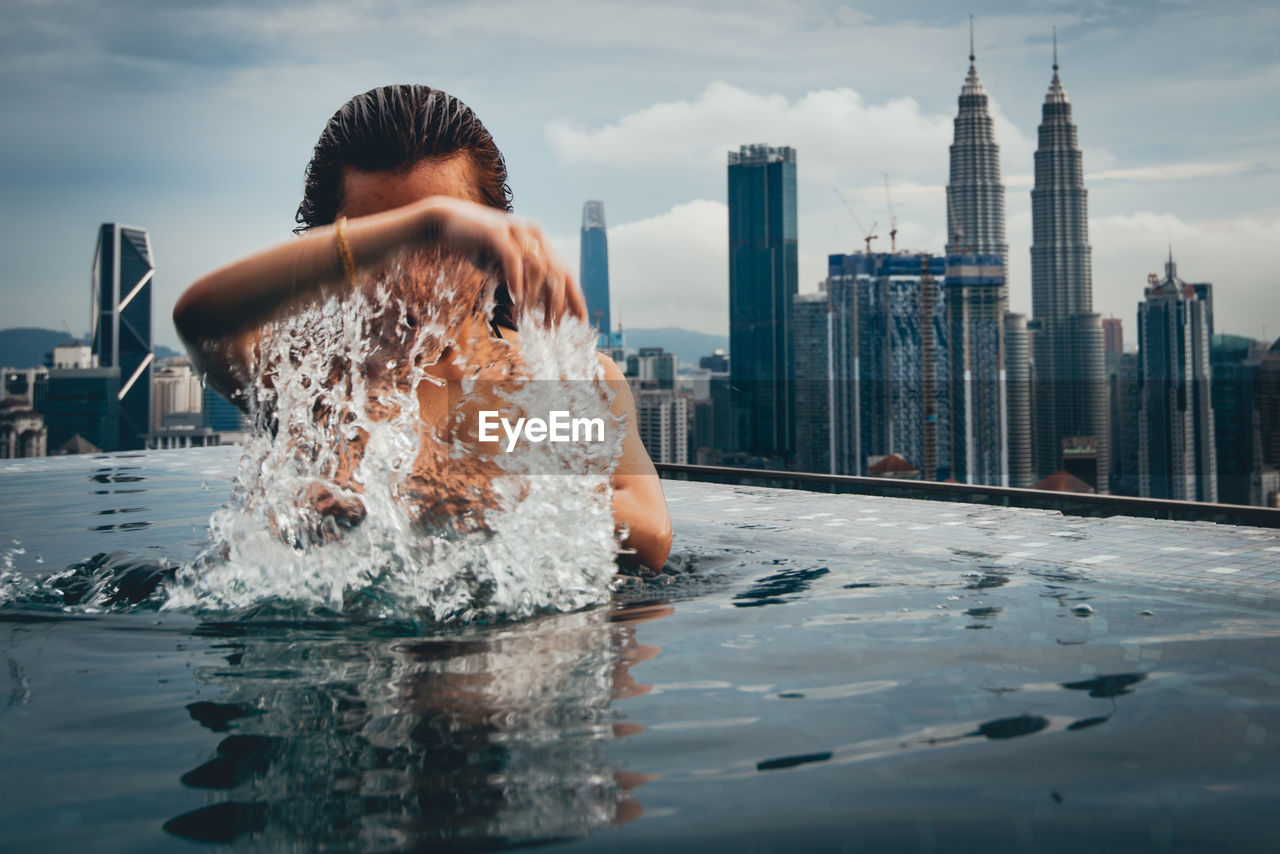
(186, 317)
(640, 510)
(662, 547)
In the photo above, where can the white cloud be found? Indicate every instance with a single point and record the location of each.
(1236, 255)
(1163, 172)
(1175, 171)
(833, 130)
(671, 269)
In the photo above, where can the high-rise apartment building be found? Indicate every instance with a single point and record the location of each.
(1069, 342)
(1112, 335)
(123, 266)
(841, 288)
(1018, 386)
(1267, 403)
(1234, 361)
(814, 374)
(662, 419)
(174, 389)
(975, 300)
(593, 268)
(653, 367)
(1176, 457)
(763, 278)
(888, 362)
(1124, 399)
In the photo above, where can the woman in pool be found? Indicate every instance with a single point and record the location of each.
(396, 169)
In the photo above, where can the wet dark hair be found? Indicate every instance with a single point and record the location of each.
(393, 128)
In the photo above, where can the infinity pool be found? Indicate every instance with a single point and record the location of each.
(810, 672)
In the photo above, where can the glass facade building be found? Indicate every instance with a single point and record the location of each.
(220, 414)
(763, 279)
(975, 285)
(977, 297)
(889, 361)
(1070, 342)
(593, 268)
(1176, 457)
(123, 267)
(814, 373)
(1234, 362)
(84, 402)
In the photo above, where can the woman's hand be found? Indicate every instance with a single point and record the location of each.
(535, 274)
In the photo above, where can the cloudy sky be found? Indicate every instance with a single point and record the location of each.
(195, 120)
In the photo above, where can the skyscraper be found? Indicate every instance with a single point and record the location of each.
(843, 276)
(123, 267)
(1069, 344)
(763, 277)
(1266, 403)
(1234, 361)
(1124, 399)
(814, 381)
(976, 293)
(1113, 335)
(1175, 422)
(1017, 360)
(593, 269)
(888, 362)
(975, 300)
(662, 420)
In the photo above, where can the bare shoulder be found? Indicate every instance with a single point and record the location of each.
(611, 370)
(624, 402)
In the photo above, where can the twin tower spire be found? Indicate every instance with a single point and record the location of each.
(1069, 388)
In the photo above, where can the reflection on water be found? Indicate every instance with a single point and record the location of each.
(1001, 729)
(464, 740)
(780, 587)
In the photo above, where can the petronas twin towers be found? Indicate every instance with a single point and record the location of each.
(1058, 404)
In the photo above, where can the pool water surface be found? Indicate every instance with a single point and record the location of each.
(810, 672)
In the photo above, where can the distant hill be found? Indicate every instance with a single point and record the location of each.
(30, 348)
(688, 346)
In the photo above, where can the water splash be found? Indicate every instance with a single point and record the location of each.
(360, 491)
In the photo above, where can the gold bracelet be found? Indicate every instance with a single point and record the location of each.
(348, 260)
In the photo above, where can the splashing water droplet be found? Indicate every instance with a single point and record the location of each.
(355, 492)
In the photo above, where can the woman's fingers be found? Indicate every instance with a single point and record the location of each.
(555, 298)
(535, 274)
(512, 262)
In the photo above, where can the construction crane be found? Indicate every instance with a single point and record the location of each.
(867, 235)
(893, 218)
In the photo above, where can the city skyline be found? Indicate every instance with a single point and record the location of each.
(203, 142)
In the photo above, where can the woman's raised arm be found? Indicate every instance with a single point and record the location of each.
(218, 316)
